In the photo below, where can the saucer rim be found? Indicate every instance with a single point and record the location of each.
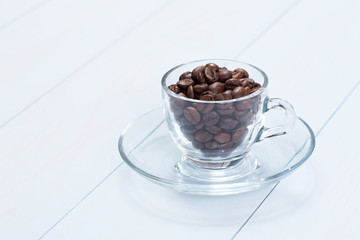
(166, 182)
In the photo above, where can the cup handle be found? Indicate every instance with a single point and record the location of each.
(287, 109)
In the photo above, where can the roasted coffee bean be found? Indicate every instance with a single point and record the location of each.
(188, 129)
(213, 129)
(245, 74)
(227, 123)
(192, 115)
(247, 90)
(217, 87)
(177, 105)
(222, 137)
(254, 89)
(213, 65)
(190, 92)
(244, 104)
(246, 118)
(224, 105)
(185, 75)
(211, 75)
(245, 82)
(204, 107)
(227, 111)
(207, 97)
(237, 75)
(239, 115)
(229, 92)
(224, 75)
(232, 83)
(185, 83)
(199, 88)
(203, 136)
(238, 92)
(222, 96)
(197, 145)
(211, 145)
(226, 146)
(239, 134)
(185, 122)
(198, 74)
(175, 88)
(210, 118)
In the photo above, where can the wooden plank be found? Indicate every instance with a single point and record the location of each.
(15, 10)
(46, 47)
(321, 200)
(284, 83)
(68, 139)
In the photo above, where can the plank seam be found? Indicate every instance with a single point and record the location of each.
(24, 14)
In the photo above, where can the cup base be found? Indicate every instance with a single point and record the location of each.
(225, 171)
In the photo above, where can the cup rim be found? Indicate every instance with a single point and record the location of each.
(258, 92)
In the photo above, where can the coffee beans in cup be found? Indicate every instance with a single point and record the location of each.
(214, 127)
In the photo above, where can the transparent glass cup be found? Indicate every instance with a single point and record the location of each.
(218, 140)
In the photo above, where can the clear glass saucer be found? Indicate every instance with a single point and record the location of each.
(147, 147)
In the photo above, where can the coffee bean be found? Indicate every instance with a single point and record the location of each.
(213, 65)
(213, 129)
(185, 75)
(244, 104)
(197, 145)
(244, 73)
(238, 92)
(198, 74)
(190, 92)
(185, 122)
(199, 88)
(224, 105)
(227, 111)
(247, 91)
(246, 82)
(222, 137)
(226, 146)
(222, 96)
(239, 115)
(189, 129)
(227, 123)
(211, 145)
(254, 89)
(207, 97)
(246, 118)
(232, 83)
(217, 87)
(224, 75)
(185, 83)
(203, 136)
(210, 118)
(175, 88)
(239, 134)
(211, 75)
(192, 115)
(204, 107)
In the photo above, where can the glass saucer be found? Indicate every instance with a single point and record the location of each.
(147, 147)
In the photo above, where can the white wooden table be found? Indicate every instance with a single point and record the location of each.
(70, 70)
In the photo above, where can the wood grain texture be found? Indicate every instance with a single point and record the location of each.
(60, 148)
(48, 46)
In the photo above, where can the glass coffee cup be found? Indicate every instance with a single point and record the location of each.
(215, 137)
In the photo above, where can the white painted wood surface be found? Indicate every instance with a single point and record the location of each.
(70, 68)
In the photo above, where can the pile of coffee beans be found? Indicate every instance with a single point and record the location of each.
(214, 127)
(211, 83)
